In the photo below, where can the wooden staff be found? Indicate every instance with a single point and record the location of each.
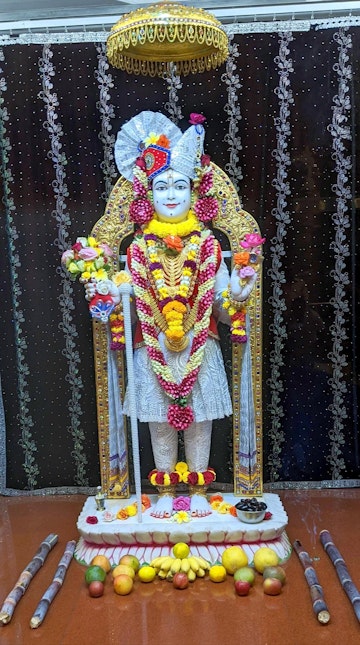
(50, 593)
(341, 569)
(25, 578)
(316, 591)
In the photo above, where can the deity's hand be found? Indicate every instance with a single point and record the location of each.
(103, 287)
(241, 288)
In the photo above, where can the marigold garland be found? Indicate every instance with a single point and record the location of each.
(117, 331)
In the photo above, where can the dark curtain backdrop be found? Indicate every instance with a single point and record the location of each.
(294, 101)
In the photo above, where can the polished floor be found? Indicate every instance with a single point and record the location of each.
(204, 614)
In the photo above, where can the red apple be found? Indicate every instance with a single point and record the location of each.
(96, 589)
(242, 587)
(272, 586)
(180, 580)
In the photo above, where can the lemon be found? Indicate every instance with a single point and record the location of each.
(265, 557)
(233, 558)
(146, 573)
(217, 573)
(181, 550)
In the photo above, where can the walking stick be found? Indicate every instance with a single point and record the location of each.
(125, 290)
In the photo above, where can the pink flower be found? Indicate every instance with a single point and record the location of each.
(106, 248)
(88, 253)
(251, 240)
(181, 503)
(246, 272)
(67, 256)
(196, 119)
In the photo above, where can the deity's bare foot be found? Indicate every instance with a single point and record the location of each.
(163, 507)
(199, 506)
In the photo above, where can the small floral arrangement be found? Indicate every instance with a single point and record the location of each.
(132, 509)
(244, 262)
(87, 260)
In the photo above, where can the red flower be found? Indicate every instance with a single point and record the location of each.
(140, 163)
(174, 478)
(208, 476)
(205, 160)
(267, 515)
(92, 519)
(193, 479)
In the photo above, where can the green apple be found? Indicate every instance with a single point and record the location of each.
(246, 574)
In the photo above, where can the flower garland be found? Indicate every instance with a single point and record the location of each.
(182, 474)
(180, 415)
(174, 309)
(242, 261)
(117, 331)
(179, 229)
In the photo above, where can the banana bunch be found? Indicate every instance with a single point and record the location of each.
(166, 566)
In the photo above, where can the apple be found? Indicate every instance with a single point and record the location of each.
(96, 589)
(180, 580)
(245, 573)
(272, 586)
(275, 572)
(242, 587)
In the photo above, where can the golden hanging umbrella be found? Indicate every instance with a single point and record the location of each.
(146, 41)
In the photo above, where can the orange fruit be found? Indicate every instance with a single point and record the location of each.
(123, 569)
(131, 561)
(102, 561)
(123, 584)
(94, 572)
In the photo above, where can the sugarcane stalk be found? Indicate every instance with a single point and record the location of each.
(25, 578)
(316, 591)
(342, 571)
(50, 593)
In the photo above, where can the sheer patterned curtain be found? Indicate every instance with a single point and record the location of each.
(283, 121)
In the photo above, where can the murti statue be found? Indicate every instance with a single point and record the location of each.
(180, 288)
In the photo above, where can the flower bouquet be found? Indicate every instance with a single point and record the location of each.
(89, 261)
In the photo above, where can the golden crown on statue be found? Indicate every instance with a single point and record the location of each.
(147, 40)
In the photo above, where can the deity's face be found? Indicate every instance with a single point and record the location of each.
(172, 196)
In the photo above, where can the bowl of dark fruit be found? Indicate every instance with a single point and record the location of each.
(251, 510)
